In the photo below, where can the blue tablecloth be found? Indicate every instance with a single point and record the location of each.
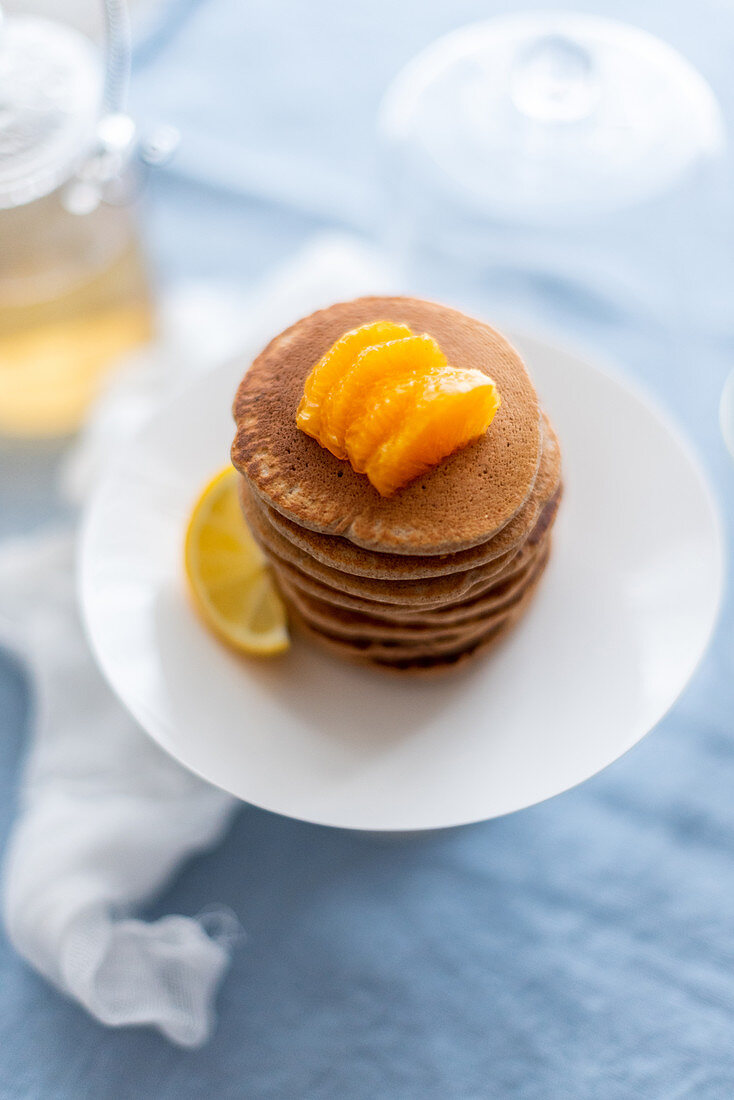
(583, 948)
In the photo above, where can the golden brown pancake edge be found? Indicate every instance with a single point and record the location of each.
(471, 495)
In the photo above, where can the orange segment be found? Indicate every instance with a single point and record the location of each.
(334, 365)
(380, 422)
(376, 371)
(452, 408)
(389, 402)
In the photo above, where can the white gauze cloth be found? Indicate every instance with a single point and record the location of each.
(105, 816)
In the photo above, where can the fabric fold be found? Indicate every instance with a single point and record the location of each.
(105, 820)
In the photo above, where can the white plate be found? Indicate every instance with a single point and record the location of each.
(617, 627)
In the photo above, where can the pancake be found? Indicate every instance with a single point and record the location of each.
(350, 625)
(445, 588)
(375, 649)
(461, 503)
(391, 612)
(469, 607)
(448, 663)
(339, 553)
(435, 659)
(400, 601)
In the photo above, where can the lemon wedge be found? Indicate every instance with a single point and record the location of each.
(228, 576)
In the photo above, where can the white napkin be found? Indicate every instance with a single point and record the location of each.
(105, 816)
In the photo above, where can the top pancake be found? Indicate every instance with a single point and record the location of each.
(463, 501)
(340, 553)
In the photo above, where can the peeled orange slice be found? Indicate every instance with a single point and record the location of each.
(390, 402)
(228, 577)
(451, 408)
(332, 367)
(391, 405)
(375, 371)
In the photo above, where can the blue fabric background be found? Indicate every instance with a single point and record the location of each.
(583, 948)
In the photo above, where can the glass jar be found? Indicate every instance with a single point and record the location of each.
(74, 294)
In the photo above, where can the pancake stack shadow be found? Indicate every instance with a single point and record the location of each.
(415, 584)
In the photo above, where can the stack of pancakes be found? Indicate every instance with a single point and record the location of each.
(431, 575)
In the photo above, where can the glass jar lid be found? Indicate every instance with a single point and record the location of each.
(51, 90)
